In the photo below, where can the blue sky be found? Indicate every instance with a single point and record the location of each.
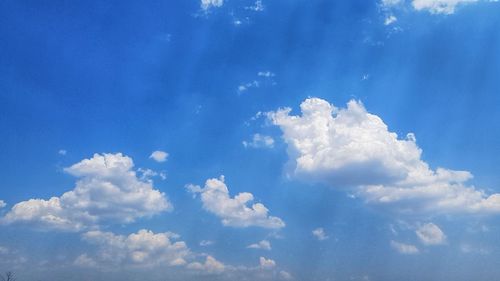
(258, 140)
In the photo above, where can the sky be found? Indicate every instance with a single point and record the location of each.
(250, 140)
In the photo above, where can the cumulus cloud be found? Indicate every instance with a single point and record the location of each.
(403, 248)
(159, 156)
(285, 275)
(259, 141)
(266, 263)
(107, 190)
(207, 4)
(352, 149)
(234, 211)
(263, 245)
(144, 249)
(320, 234)
(439, 6)
(431, 234)
(211, 265)
(2, 204)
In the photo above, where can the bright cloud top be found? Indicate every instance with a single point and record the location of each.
(234, 211)
(143, 248)
(351, 148)
(107, 190)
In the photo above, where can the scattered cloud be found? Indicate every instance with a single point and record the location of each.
(439, 6)
(259, 141)
(266, 263)
(263, 78)
(431, 234)
(320, 234)
(107, 190)
(234, 211)
(205, 243)
(263, 245)
(351, 149)
(211, 265)
(406, 249)
(62, 152)
(147, 174)
(2, 204)
(159, 156)
(207, 4)
(256, 7)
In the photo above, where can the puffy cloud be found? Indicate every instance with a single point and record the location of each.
(266, 263)
(431, 234)
(234, 211)
(259, 141)
(2, 204)
(159, 156)
(207, 4)
(264, 245)
(143, 248)
(406, 249)
(107, 190)
(439, 6)
(351, 148)
(211, 265)
(320, 234)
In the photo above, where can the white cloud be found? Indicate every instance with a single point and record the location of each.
(256, 7)
(211, 265)
(431, 234)
(205, 243)
(244, 87)
(143, 248)
(259, 141)
(320, 234)
(107, 190)
(62, 152)
(267, 74)
(351, 148)
(285, 275)
(388, 3)
(406, 249)
(390, 19)
(263, 245)
(439, 6)
(234, 211)
(2, 204)
(207, 4)
(159, 156)
(266, 263)
(84, 261)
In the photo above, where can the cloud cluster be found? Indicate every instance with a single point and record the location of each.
(144, 249)
(432, 6)
(107, 191)
(352, 149)
(207, 4)
(234, 211)
(211, 265)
